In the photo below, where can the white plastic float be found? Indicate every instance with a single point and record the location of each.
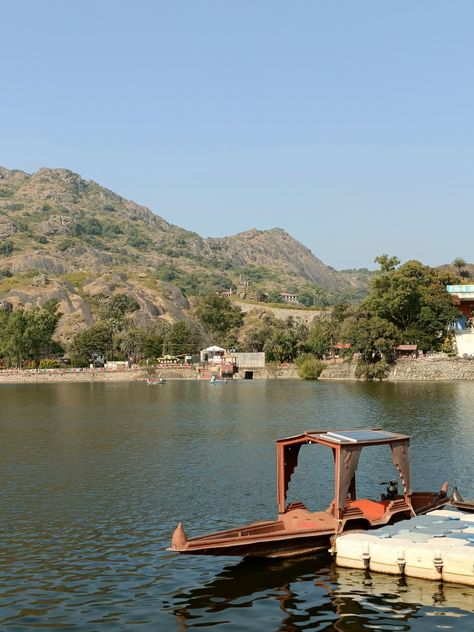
(439, 545)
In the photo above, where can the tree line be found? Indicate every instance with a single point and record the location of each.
(406, 304)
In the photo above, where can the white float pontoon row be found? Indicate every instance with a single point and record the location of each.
(439, 546)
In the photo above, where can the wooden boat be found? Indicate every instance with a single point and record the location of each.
(298, 531)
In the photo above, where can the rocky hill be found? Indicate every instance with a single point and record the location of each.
(68, 238)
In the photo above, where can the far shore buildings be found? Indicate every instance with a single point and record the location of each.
(289, 297)
(464, 326)
(227, 363)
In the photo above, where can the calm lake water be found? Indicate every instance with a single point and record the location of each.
(94, 477)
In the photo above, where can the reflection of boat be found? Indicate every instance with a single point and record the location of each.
(217, 380)
(298, 531)
(241, 582)
(345, 594)
(155, 380)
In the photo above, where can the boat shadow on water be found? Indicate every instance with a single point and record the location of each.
(312, 593)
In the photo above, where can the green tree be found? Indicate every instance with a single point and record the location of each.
(218, 316)
(373, 337)
(306, 298)
(254, 338)
(324, 332)
(154, 340)
(132, 342)
(274, 297)
(413, 297)
(181, 339)
(90, 343)
(119, 305)
(459, 263)
(41, 325)
(27, 334)
(280, 346)
(322, 336)
(386, 263)
(14, 345)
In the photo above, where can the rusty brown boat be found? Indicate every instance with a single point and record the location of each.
(298, 531)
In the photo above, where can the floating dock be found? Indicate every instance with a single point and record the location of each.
(438, 545)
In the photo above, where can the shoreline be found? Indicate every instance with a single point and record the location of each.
(138, 374)
(430, 369)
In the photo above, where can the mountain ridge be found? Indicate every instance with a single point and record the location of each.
(55, 224)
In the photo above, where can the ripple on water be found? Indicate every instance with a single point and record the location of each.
(94, 480)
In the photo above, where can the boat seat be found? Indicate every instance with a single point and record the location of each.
(372, 509)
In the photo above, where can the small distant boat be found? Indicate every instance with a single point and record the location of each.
(217, 380)
(155, 380)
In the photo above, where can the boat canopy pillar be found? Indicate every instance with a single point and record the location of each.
(287, 460)
(347, 460)
(401, 460)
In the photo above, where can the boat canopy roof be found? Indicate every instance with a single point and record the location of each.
(346, 445)
(359, 436)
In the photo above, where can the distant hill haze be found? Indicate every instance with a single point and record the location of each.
(65, 237)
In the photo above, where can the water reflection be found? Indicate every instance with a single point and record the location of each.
(94, 477)
(240, 585)
(313, 594)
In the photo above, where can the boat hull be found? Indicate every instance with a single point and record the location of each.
(296, 533)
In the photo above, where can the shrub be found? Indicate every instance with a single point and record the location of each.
(6, 248)
(65, 244)
(309, 367)
(79, 361)
(377, 371)
(49, 363)
(136, 241)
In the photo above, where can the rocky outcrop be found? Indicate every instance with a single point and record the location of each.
(73, 303)
(56, 225)
(263, 247)
(36, 262)
(7, 229)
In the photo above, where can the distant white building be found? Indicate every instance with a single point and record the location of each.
(213, 354)
(288, 297)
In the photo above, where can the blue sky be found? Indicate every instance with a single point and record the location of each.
(347, 123)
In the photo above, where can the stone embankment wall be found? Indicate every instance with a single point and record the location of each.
(344, 371)
(31, 376)
(44, 376)
(432, 368)
(422, 369)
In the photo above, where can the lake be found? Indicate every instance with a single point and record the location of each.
(94, 478)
